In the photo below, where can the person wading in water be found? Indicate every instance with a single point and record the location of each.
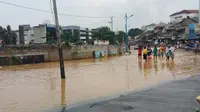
(155, 52)
(145, 53)
(140, 52)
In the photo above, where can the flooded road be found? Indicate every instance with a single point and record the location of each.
(31, 88)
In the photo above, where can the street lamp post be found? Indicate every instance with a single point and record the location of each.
(126, 29)
(199, 12)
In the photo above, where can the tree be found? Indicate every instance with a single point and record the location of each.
(110, 38)
(7, 35)
(134, 32)
(104, 33)
(3, 35)
(120, 36)
(68, 38)
(14, 38)
(50, 38)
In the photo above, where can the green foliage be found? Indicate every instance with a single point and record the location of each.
(104, 33)
(134, 32)
(68, 38)
(49, 37)
(110, 38)
(7, 35)
(120, 36)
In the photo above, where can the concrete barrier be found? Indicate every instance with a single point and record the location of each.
(75, 53)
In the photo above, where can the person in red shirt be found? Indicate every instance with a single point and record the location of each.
(140, 52)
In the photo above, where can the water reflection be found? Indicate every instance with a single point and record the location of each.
(52, 81)
(140, 64)
(171, 66)
(162, 65)
(127, 70)
(156, 66)
(63, 93)
(146, 70)
(195, 60)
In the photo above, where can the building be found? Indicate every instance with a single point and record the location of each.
(83, 34)
(23, 33)
(147, 28)
(177, 31)
(178, 16)
(37, 34)
(158, 31)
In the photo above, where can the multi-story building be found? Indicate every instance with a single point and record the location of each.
(178, 16)
(37, 34)
(147, 28)
(22, 33)
(84, 34)
(46, 32)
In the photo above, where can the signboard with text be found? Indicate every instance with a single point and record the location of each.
(191, 31)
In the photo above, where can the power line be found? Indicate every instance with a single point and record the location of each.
(35, 9)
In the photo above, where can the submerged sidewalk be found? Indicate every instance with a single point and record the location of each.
(177, 96)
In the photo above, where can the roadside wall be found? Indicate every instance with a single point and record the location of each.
(74, 53)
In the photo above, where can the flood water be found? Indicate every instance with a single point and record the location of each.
(38, 87)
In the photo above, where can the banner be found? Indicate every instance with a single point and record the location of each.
(191, 31)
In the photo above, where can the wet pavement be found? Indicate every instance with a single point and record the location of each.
(177, 96)
(38, 87)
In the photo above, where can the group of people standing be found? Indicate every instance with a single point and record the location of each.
(147, 52)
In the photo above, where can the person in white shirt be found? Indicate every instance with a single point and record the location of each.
(172, 49)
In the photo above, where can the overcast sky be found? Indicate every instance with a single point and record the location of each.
(145, 12)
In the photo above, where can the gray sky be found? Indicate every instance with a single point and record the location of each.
(145, 12)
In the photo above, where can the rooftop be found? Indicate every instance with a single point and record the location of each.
(185, 11)
(151, 24)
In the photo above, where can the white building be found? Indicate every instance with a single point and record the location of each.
(39, 34)
(147, 28)
(83, 33)
(178, 16)
(36, 34)
(27, 36)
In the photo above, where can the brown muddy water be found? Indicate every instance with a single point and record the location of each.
(31, 88)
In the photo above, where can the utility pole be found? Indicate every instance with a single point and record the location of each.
(62, 68)
(111, 23)
(199, 12)
(126, 30)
